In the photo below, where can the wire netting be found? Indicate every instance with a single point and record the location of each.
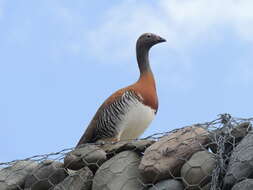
(215, 155)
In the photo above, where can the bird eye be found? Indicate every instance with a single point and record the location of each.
(148, 35)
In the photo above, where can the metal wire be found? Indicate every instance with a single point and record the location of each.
(222, 138)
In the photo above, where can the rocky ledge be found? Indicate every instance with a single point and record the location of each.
(192, 158)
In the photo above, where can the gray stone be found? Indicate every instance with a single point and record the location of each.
(241, 130)
(120, 172)
(13, 177)
(241, 162)
(85, 155)
(235, 135)
(197, 171)
(78, 180)
(206, 187)
(134, 145)
(246, 184)
(46, 175)
(164, 159)
(169, 184)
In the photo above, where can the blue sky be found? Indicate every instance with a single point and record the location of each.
(59, 60)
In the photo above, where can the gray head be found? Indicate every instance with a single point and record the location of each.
(147, 40)
(144, 43)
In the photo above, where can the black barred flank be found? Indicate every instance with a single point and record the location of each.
(112, 115)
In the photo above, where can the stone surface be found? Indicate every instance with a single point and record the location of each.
(79, 180)
(206, 187)
(13, 177)
(246, 184)
(241, 162)
(46, 175)
(169, 184)
(119, 173)
(236, 134)
(241, 130)
(85, 155)
(197, 171)
(134, 145)
(165, 158)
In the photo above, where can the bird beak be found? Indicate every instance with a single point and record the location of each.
(160, 39)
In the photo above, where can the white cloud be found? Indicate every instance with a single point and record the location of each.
(124, 23)
(182, 22)
(198, 17)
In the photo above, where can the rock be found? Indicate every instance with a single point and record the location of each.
(169, 184)
(119, 172)
(79, 180)
(241, 130)
(206, 187)
(235, 135)
(85, 155)
(197, 172)
(165, 158)
(13, 177)
(134, 145)
(241, 162)
(246, 184)
(46, 175)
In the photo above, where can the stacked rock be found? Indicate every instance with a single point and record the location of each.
(189, 158)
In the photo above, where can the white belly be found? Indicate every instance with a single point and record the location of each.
(135, 121)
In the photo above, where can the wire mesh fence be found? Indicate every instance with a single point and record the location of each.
(216, 155)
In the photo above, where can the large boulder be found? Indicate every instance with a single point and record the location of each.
(85, 155)
(197, 172)
(13, 177)
(169, 184)
(78, 180)
(134, 145)
(241, 162)
(165, 158)
(45, 176)
(246, 184)
(120, 172)
(207, 187)
(233, 136)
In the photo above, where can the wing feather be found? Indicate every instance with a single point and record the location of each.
(104, 123)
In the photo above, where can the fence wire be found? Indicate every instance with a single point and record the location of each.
(216, 155)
